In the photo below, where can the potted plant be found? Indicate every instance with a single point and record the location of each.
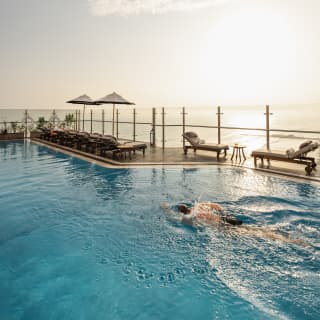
(13, 134)
(14, 126)
(41, 122)
(69, 119)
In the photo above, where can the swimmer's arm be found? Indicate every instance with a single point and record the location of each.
(166, 207)
(168, 212)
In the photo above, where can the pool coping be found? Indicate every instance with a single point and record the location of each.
(109, 163)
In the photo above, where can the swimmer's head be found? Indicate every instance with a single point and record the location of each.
(184, 209)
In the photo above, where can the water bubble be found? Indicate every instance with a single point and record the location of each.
(149, 275)
(198, 270)
(140, 277)
(162, 277)
(171, 277)
(87, 246)
(127, 271)
(141, 271)
(180, 272)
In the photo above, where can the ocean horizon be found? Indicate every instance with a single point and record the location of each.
(294, 118)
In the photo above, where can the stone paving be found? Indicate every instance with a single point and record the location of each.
(155, 156)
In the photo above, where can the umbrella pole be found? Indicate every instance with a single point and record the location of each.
(84, 107)
(113, 121)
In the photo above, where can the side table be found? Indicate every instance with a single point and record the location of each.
(238, 151)
(124, 148)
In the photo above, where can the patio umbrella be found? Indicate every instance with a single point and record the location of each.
(85, 100)
(113, 99)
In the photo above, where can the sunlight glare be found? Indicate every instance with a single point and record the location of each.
(250, 53)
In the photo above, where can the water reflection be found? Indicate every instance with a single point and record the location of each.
(108, 183)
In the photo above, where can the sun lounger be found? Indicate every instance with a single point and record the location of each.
(197, 144)
(299, 156)
(111, 143)
(93, 143)
(45, 133)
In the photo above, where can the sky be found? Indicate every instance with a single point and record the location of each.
(160, 52)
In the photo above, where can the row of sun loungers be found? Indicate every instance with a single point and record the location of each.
(102, 145)
(107, 144)
(291, 156)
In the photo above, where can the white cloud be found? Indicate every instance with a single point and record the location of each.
(129, 7)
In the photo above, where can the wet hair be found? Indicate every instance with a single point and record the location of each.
(184, 208)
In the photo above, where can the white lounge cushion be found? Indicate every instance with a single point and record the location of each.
(200, 144)
(306, 149)
(265, 153)
(193, 138)
(305, 144)
(289, 154)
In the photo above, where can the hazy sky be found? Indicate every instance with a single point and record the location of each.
(160, 52)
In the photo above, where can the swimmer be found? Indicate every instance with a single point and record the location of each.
(209, 213)
(206, 211)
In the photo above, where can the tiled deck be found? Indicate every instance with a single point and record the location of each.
(175, 156)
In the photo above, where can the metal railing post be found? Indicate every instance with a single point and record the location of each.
(163, 129)
(83, 112)
(219, 124)
(75, 122)
(79, 120)
(53, 117)
(134, 124)
(183, 127)
(91, 121)
(117, 123)
(153, 129)
(103, 122)
(26, 123)
(113, 120)
(268, 114)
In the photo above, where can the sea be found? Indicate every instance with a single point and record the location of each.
(238, 123)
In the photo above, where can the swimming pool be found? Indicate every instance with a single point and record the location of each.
(78, 241)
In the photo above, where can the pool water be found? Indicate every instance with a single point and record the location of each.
(78, 241)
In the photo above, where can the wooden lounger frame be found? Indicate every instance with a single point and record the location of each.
(309, 162)
(206, 148)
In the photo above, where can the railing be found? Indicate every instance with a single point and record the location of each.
(76, 121)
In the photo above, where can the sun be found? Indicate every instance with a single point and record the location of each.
(250, 55)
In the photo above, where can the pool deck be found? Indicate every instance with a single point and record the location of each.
(155, 156)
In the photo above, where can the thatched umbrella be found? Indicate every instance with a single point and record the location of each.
(85, 100)
(113, 99)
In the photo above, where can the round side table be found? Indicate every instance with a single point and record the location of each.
(238, 151)
(124, 148)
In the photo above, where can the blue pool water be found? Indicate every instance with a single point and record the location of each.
(78, 241)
